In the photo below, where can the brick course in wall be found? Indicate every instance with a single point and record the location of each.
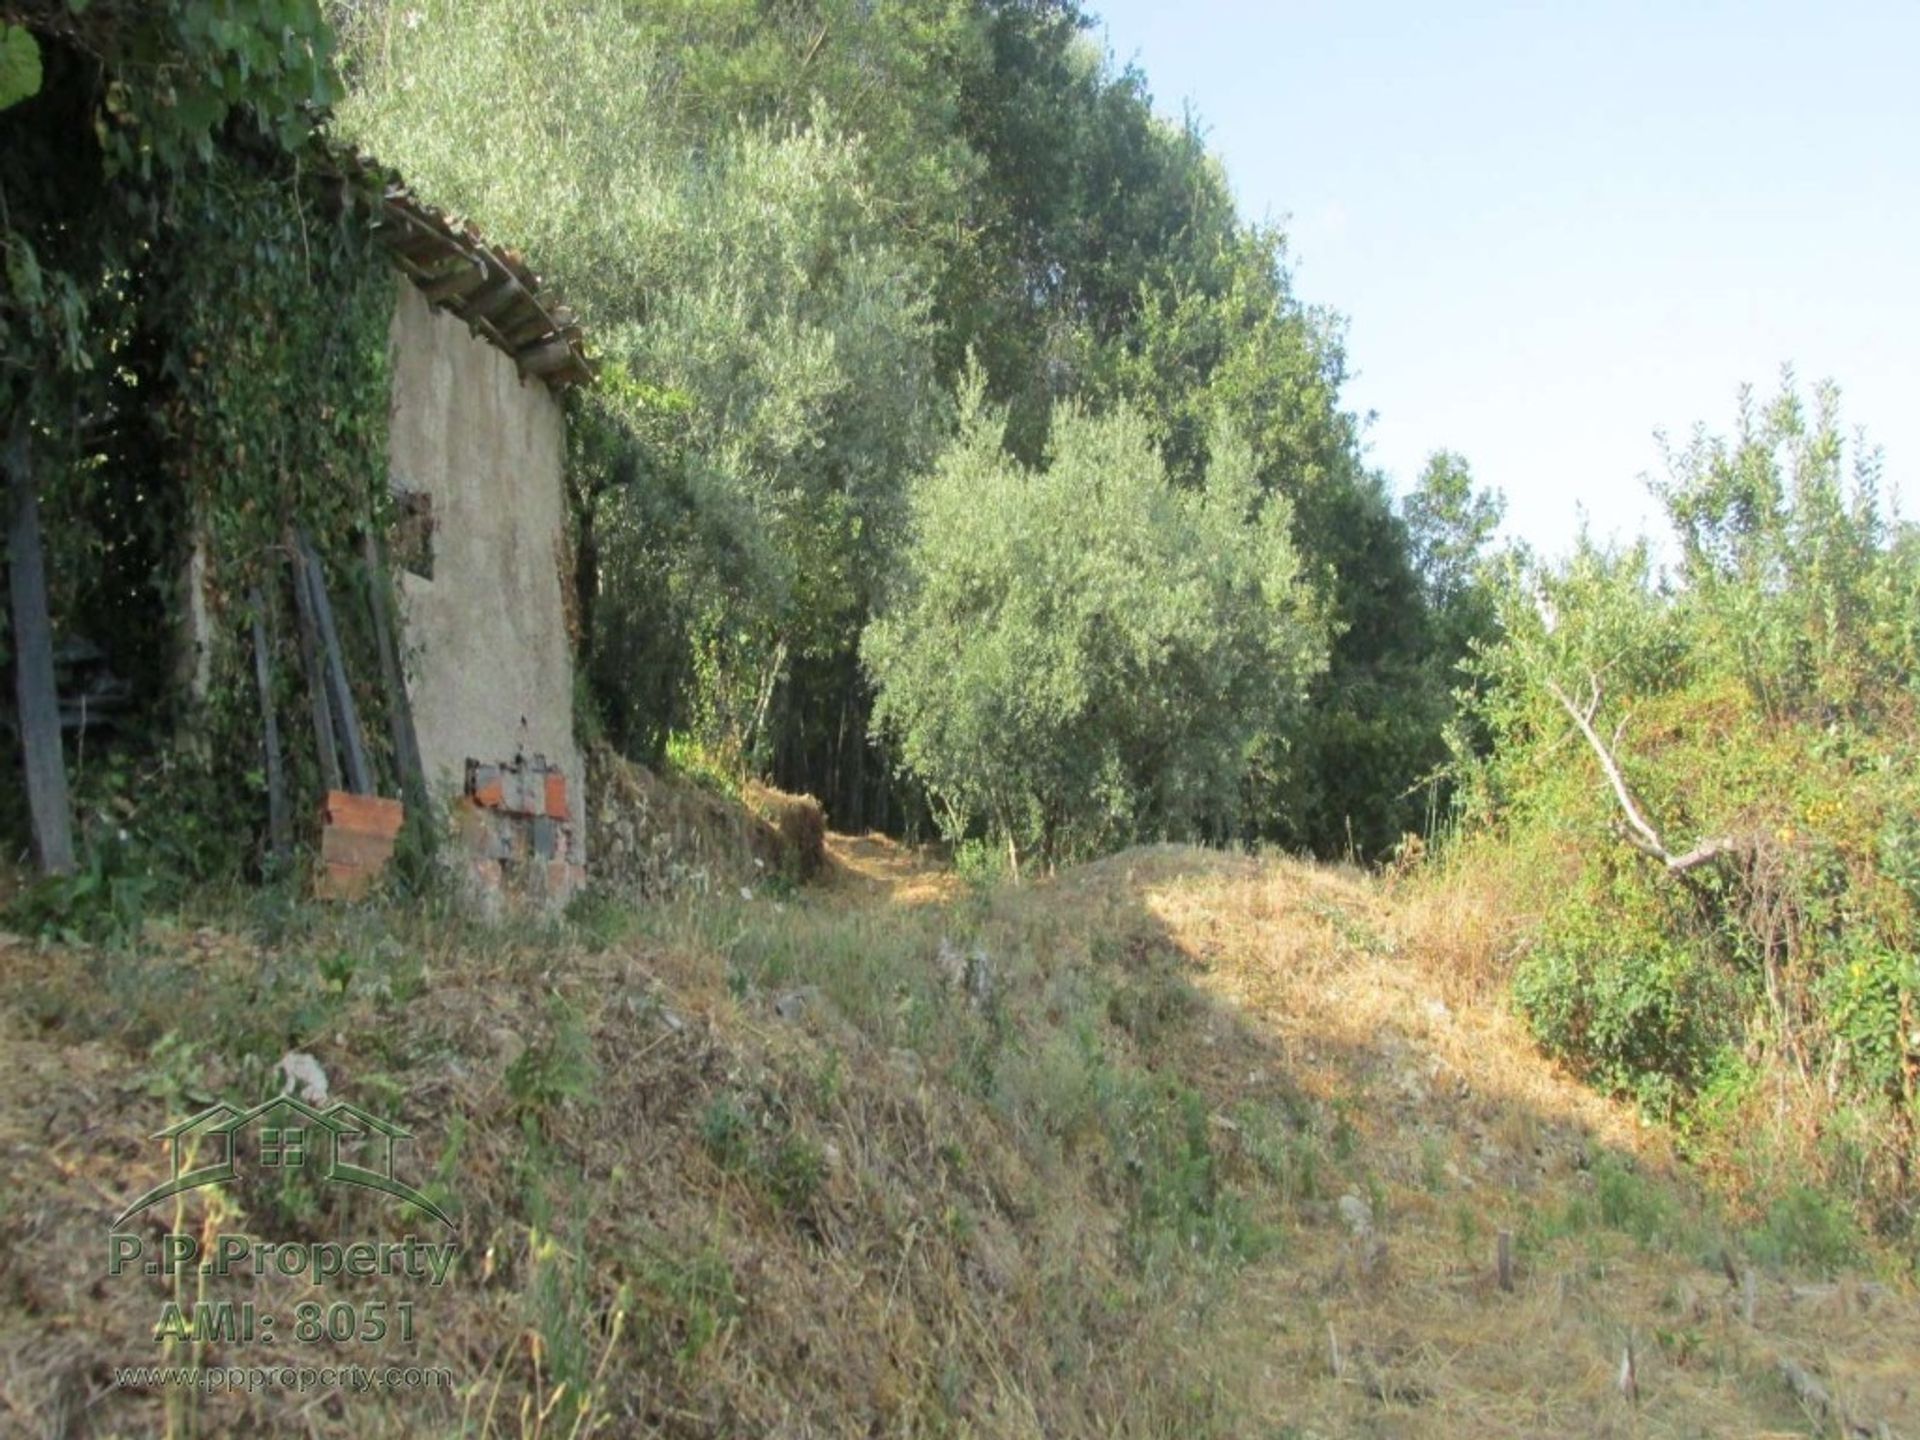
(517, 832)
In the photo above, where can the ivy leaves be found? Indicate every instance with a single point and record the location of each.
(172, 73)
(161, 82)
(19, 65)
(271, 57)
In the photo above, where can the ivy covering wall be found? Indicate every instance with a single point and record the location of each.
(273, 307)
(194, 323)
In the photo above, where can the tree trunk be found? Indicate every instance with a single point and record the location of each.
(1640, 832)
(769, 679)
(586, 573)
(45, 761)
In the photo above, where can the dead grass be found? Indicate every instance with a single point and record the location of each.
(801, 822)
(1463, 925)
(897, 1157)
(1458, 1130)
(875, 869)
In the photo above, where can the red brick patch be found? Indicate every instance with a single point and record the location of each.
(355, 847)
(516, 819)
(367, 814)
(356, 843)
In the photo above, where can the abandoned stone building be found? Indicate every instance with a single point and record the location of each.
(368, 610)
(477, 454)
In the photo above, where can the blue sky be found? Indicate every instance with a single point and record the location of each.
(1555, 229)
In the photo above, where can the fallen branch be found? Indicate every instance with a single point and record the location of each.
(1706, 852)
(1640, 833)
(1645, 836)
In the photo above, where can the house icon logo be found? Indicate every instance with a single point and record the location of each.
(343, 1144)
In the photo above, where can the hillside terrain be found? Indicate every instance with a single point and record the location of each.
(1177, 1143)
(526, 469)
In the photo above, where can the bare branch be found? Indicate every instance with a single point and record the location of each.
(1705, 853)
(1653, 844)
(1639, 831)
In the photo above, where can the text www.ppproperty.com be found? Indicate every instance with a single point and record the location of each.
(250, 1378)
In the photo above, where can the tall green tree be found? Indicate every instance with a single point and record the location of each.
(768, 342)
(1451, 525)
(1083, 653)
(1225, 335)
(1042, 217)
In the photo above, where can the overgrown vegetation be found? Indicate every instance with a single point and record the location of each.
(788, 229)
(1124, 1153)
(774, 1167)
(1708, 782)
(193, 349)
(959, 456)
(785, 278)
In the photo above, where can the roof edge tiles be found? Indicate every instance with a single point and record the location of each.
(490, 287)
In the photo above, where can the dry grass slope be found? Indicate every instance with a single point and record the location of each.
(1178, 1144)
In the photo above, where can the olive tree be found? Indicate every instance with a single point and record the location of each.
(1081, 654)
(767, 352)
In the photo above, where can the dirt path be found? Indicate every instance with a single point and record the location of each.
(873, 869)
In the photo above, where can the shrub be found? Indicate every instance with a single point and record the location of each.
(553, 1069)
(727, 1132)
(1634, 1020)
(1805, 1227)
(1085, 653)
(794, 1171)
(1748, 730)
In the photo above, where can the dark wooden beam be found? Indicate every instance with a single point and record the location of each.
(484, 329)
(536, 326)
(493, 298)
(279, 821)
(411, 237)
(545, 358)
(317, 702)
(468, 276)
(345, 718)
(45, 761)
(406, 740)
(419, 274)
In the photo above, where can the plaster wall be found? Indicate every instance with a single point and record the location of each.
(490, 669)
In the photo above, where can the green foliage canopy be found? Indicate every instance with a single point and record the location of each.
(768, 345)
(1082, 653)
(786, 227)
